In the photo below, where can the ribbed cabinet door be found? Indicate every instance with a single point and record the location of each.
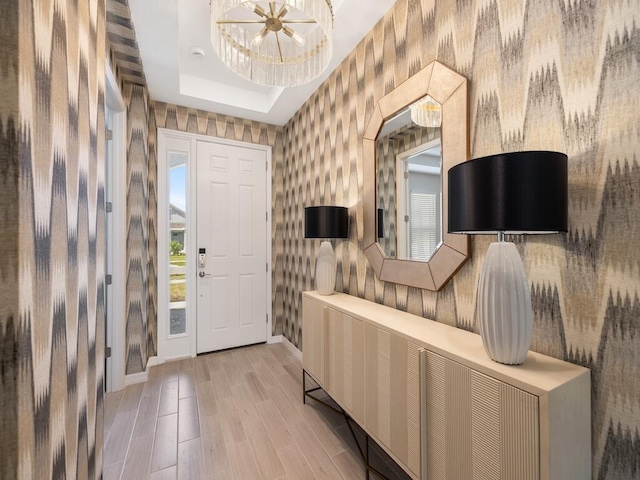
(392, 397)
(345, 377)
(478, 427)
(314, 331)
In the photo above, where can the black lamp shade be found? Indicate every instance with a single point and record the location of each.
(326, 222)
(519, 192)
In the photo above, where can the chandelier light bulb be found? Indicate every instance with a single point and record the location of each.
(283, 11)
(254, 8)
(300, 41)
(259, 37)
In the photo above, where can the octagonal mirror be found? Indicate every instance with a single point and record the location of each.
(416, 133)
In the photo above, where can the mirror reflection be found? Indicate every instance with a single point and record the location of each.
(409, 182)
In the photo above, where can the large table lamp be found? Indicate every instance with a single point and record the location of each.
(326, 222)
(510, 193)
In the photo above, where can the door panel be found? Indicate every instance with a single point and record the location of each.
(345, 374)
(219, 205)
(392, 396)
(231, 227)
(246, 218)
(314, 339)
(478, 427)
(220, 300)
(247, 307)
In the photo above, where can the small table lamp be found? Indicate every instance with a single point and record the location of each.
(514, 193)
(326, 222)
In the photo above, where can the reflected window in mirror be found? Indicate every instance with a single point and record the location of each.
(420, 211)
(409, 181)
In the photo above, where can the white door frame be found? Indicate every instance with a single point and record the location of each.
(116, 234)
(164, 136)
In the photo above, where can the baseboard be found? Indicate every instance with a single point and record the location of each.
(173, 359)
(135, 378)
(275, 339)
(151, 361)
(141, 377)
(291, 347)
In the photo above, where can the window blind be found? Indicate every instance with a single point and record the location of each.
(422, 230)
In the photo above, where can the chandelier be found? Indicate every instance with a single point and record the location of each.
(426, 112)
(273, 43)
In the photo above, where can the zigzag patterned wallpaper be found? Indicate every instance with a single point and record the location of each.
(544, 74)
(141, 245)
(12, 335)
(123, 45)
(52, 70)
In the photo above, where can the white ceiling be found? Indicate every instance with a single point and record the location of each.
(167, 30)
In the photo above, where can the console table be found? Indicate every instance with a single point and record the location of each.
(429, 395)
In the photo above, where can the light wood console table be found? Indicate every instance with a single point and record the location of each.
(429, 395)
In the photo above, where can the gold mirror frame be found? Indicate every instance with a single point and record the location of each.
(451, 90)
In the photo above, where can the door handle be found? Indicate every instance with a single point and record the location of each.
(201, 274)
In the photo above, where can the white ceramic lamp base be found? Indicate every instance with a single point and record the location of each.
(505, 317)
(325, 269)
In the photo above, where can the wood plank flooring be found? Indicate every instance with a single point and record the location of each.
(231, 415)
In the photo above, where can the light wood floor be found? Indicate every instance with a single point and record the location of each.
(230, 415)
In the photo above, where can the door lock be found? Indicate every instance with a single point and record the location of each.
(202, 257)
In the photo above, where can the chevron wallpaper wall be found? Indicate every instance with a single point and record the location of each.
(123, 45)
(141, 244)
(544, 74)
(12, 335)
(52, 67)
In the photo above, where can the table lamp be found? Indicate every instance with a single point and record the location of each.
(509, 193)
(326, 222)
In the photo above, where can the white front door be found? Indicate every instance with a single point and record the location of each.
(232, 234)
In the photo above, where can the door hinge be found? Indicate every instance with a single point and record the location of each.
(108, 279)
(266, 216)
(406, 175)
(406, 218)
(107, 352)
(267, 318)
(109, 134)
(108, 207)
(267, 270)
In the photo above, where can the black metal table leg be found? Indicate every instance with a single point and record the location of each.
(366, 449)
(364, 454)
